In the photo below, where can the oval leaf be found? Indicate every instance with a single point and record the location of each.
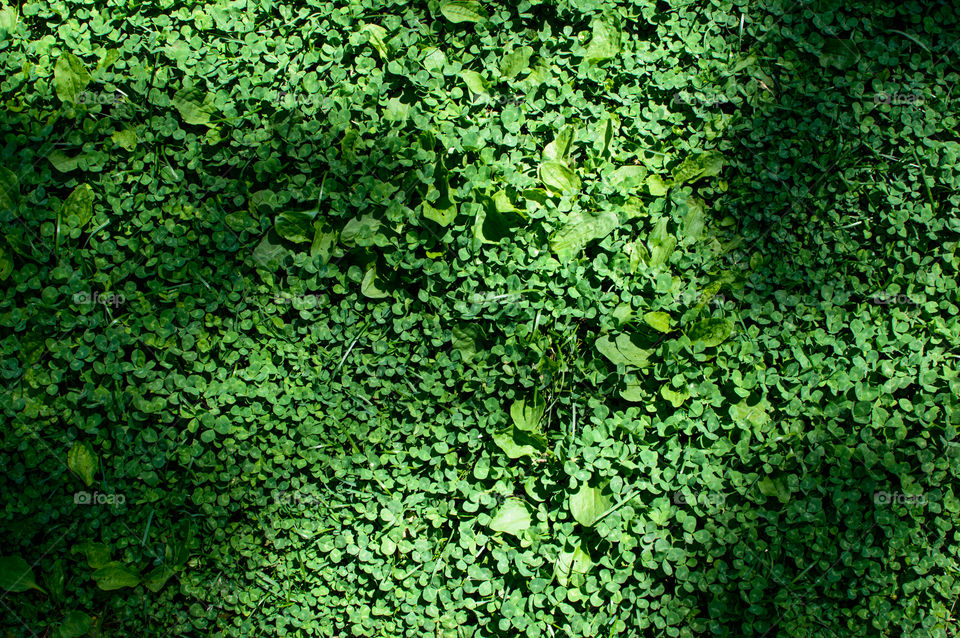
(659, 321)
(16, 575)
(80, 204)
(295, 226)
(461, 11)
(116, 576)
(588, 505)
(511, 518)
(711, 332)
(559, 178)
(83, 462)
(579, 230)
(9, 189)
(70, 77)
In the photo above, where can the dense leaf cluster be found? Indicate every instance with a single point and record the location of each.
(566, 318)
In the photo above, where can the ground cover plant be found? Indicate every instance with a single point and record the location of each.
(462, 319)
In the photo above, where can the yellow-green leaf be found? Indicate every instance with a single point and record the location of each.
(70, 77)
(9, 189)
(195, 106)
(579, 230)
(711, 332)
(79, 204)
(125, 138)
(659, 321)
(588, 505)
(83, 462)
(559, 178)
(378, 38)
(512, 517)
(461, 11)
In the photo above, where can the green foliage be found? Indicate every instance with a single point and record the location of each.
(461, 319)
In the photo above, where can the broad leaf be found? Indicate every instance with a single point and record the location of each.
(83, 462)
(116, 575)
(63, 162)
(579, 230)
(604, 43)
(659, 321)
(295, 226)
(559, 178)
(623, 351)
(97, 554)
(195, 106)
(515, 62)
(378, 39)
(512, 517)
(269, 252)
(75, 624)
(70, 77)
(9, 189)
(370, 286)
(693, 168)
(572, 562)
(474, 82)
(465, 341)
(16, 575)
(461, 10)
(588, 505)
(517, 443)
(526, 414)
(79, 204)
(559, 149)
(656, 186)
(360, 231)
(661, 244)
(158, 576)
(711, 332)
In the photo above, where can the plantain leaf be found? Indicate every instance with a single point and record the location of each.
(195, 106)
(559, 178)
(70, 77)
(588, 505)
(83, 462)
(461, 11)
(79, 204)
(711, 332)
(16, 575)
(512, 517)
(9, 189)
(116, 575)
(579, 230)
(659, 321)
